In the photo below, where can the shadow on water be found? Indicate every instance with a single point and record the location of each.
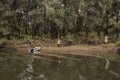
(60, 68)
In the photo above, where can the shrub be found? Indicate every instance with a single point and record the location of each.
(118, 43)
(3, 41)
(69, 36)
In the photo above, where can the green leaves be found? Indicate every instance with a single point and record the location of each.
(56, 17)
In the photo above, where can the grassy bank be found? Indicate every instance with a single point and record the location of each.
(50, 47)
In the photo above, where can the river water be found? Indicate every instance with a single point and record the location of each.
(59, 68)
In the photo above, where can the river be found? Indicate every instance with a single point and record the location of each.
(58, 68)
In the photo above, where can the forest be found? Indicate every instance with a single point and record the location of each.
(79, 20)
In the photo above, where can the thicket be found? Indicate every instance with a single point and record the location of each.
(80, 20)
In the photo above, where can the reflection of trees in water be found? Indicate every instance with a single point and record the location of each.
(59, 69)
(28, 73)
(86, 68)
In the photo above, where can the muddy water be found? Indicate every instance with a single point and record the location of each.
(59, 68)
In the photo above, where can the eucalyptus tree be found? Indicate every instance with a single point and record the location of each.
(115, 20)
(5, 18)
(55, 18)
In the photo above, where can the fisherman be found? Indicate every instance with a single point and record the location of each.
(31, 50)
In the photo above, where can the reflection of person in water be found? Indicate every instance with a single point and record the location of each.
(107, 65)
(27, 73)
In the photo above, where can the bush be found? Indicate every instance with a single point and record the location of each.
(3, 41)
(69, 36)
(93, 39)
(81, 37)
(118, 43)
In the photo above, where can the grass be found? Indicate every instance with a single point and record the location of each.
(108, 45)
(73, 49)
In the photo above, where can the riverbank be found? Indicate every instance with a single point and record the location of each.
(21, 48)
(101, 51)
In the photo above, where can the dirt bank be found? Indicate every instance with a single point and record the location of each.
(99, 50)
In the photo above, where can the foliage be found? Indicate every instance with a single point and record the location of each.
(118, 43)
(55, 18)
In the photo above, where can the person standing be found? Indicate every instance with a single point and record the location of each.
(59, 42)
(106, 39)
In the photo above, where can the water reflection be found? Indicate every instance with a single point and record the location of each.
(107, 64)
(27, 74)
(60, 68)
(82, 68)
